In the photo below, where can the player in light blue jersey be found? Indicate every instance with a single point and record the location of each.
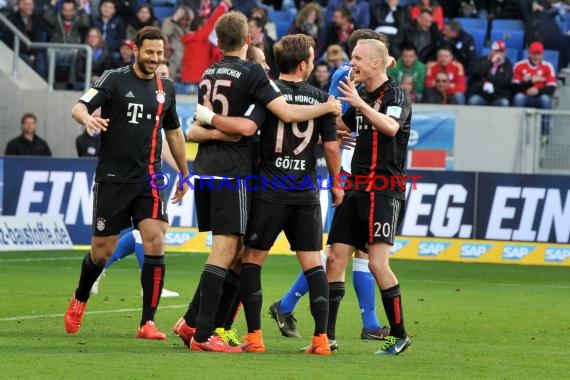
(363, 281)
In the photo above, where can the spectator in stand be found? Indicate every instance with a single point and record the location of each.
(68, 26)
(341, 29)
(492, 77)
(87, 145)
(260, 39)
(173, 28)
(125, 54)
(408, 65)
(321, 76)
(334, 57)
(28, 143)
(408, 83)
(446, 64)
(112, 27)
(358, 11)
(463, 45)
(534, 83)
(101, 60)
(198, 49)
(29, 23)
(144, 17)
(511, 9)
(387, 17)
(268, 25)
(430, 5)
(545, 28)
(461, 8)
(422, 33)
(126, 10)
(439, 94)
(309, 21)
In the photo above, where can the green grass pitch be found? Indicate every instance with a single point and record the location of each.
(467, 321)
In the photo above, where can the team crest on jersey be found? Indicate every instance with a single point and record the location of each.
(100, 224)
(160, 96)
(377, 105)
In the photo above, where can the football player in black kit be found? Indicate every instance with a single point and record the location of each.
(287, 197)
(235, 88)
(135, 103)
(380, 112)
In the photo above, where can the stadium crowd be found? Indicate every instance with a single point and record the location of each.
(501, 53)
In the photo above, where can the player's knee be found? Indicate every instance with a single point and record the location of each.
(379, 267)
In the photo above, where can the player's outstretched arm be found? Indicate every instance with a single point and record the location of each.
(94, 125)
(198, 134)
(233, 125)
(295, 113)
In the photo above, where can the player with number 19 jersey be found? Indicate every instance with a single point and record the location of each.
(233, 86)
(287, 169)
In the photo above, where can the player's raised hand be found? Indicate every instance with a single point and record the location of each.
(348, 89)
(335, 106)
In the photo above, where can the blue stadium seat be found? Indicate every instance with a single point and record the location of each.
(163, 11)
(513, 54)
(550, 56)
(507, 24)
(282, 28)
(159, 3)
(280, 16)
(469, 24)
(479, 38)
(514, 39)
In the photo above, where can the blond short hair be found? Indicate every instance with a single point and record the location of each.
(378, 50)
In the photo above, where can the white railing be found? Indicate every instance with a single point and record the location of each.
(19, 38)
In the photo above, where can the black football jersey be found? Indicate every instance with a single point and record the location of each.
(287, 168)
(377, 155)
(235, 88)
(131, 147)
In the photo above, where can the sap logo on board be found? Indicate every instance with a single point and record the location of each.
(556, 255)
(178, 238)
(432, 248)
(516, 252)
(474, 251)
(398, 245)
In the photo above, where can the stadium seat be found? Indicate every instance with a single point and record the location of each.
(159, 3)
(282, 28)
(514, 39)
(470, 24)
(163, 11)
(280, 16)
(479, 38)
(513, 54)
(550, 56)
(507, 25)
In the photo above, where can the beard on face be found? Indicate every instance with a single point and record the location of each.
(141, 64)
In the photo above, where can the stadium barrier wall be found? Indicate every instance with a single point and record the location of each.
(440, 205)
(28, 233)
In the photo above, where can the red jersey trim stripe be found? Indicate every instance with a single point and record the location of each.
(155, 196)
(371, 218)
